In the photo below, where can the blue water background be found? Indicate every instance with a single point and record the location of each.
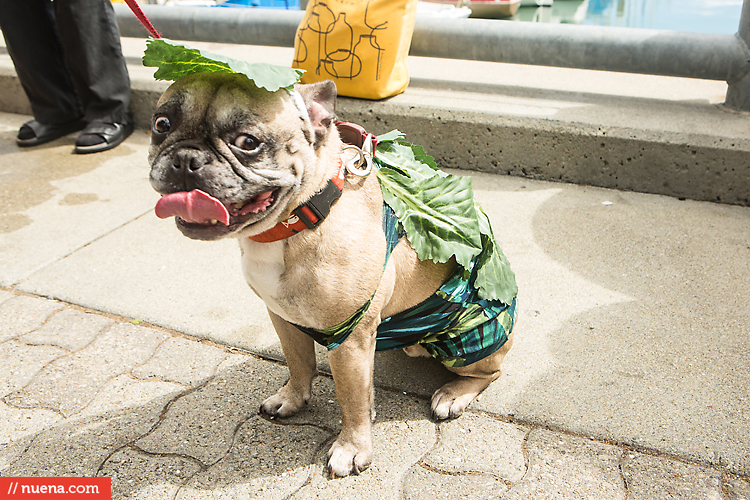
(700, 16)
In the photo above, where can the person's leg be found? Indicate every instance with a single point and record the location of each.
(91, 45)
(33, 44)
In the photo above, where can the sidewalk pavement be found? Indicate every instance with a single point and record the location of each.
(130, 351)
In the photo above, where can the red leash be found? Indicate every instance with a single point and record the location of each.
(133, 4)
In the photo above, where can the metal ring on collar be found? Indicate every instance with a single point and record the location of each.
(360, 164)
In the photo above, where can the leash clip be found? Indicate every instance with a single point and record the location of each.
(361, 163)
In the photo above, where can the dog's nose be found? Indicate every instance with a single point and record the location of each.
(190, 159)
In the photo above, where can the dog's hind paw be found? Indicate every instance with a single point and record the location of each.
(451, 400)
(416, 351)
(444, 407)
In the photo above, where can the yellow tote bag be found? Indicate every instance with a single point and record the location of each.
(359, 44)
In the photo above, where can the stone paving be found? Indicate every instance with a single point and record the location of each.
(170, 417)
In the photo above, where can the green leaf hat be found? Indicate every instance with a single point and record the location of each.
(175, 61)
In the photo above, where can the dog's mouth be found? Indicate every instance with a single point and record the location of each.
(199, 212)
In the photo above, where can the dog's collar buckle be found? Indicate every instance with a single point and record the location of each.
(319, 206)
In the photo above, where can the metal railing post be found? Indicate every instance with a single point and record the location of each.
(738, 93)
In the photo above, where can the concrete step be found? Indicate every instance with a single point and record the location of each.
(643, 133)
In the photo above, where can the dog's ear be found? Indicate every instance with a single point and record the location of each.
(320, 102)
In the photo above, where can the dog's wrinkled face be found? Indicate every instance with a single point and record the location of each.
(230, 157)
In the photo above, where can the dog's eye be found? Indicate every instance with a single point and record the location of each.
(247, 142)
(161, 125)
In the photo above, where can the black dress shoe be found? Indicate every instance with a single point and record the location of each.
(100, 136)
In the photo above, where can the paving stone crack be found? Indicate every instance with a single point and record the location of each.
(283, 422)
(477, 473)
(526, 456)
(34, 407)
(122, 319)
(51, 362)
(420, 460)
(155, 379)
(25, 450)
(184, 481)
(623, 476)
(510, 419)
(168, 405)
(717, 462)
(725, 486)
(319, 450)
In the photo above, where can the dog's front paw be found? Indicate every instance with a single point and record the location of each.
(285, 403)
(347, 458)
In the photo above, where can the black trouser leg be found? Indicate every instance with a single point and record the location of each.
(91, 40)
(33, 44)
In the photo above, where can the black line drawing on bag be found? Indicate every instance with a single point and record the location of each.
(344, 60)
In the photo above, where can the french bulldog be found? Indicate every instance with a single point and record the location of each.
(233, 160)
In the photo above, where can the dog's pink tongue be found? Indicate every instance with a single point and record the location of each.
(195, 207)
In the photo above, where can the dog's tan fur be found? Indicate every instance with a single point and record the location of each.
(316, 278)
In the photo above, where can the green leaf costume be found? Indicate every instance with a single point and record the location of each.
(440, 216)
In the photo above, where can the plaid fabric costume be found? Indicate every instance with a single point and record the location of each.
(454, 325)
